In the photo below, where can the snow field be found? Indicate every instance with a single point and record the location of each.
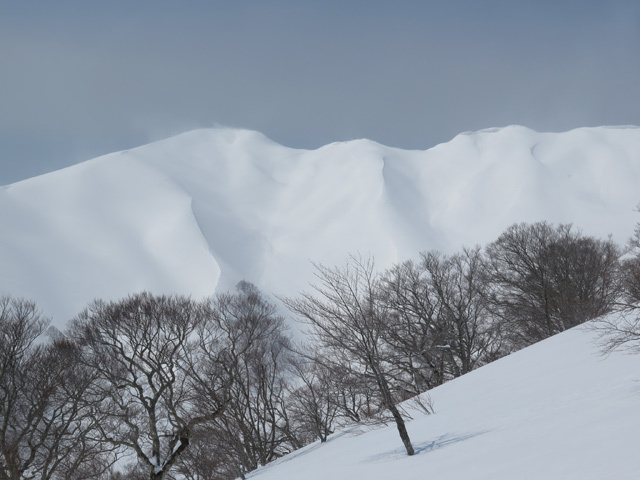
(554, 410)
(201, 211)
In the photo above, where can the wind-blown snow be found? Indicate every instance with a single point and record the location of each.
(556, 410)
(203, 210)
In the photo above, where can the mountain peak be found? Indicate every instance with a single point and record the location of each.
(202, 210)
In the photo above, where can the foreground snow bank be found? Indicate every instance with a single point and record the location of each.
(555, 410)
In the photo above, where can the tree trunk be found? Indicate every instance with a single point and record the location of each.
(402, 429)
(388, 400)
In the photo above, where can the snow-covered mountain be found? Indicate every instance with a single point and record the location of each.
(205, 209)
(555, 410)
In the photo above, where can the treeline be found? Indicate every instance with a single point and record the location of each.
(167, 387)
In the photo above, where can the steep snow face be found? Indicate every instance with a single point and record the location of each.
(198, 212)
(554, 410)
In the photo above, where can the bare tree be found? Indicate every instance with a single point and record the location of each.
(357, 398)
(206, 458)
(157, 377)
(631, 269)
(45, 425)
(468, 332)
(547, 279)
(347, 318)
(412, 328)
(254, 428)
(314, 400)
(440, 325)
(621, 331)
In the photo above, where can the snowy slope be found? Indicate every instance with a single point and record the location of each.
(556, 410)
(207, 208)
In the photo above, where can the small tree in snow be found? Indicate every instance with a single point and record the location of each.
(347, 320)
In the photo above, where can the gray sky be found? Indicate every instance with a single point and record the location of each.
(80, 79)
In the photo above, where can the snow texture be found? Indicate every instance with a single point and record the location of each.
(556, 410)
(203, 210)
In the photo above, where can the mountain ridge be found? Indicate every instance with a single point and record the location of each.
(204, 209)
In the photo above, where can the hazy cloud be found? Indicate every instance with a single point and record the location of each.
(80, 80)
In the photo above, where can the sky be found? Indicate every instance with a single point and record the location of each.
(81, 79)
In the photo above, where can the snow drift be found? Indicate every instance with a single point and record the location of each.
(200, 211)
(554, 410)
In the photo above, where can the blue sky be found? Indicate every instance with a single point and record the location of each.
(80, 79)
